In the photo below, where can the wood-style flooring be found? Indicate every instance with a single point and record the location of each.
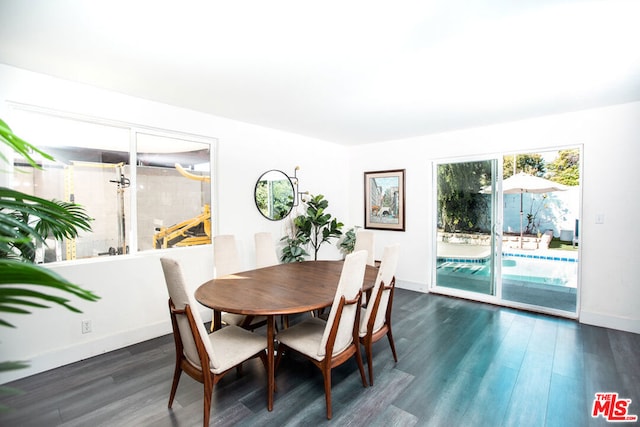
(461, 363)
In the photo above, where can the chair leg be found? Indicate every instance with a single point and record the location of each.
(208, 391)
(368, 351)
(174, 385)
(358, 356)
(326, 373)
(265, 362)
(393, 347)
(282, 349)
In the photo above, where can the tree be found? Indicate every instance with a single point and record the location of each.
(533, 164)
(565, 168)
(461, 206)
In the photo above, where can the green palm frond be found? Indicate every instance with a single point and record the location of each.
(60, 219)
(24, 220)
(13, 299)
(10, 391)
(20, 146)
(27, 219)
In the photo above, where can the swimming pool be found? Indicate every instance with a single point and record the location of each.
(518, 269)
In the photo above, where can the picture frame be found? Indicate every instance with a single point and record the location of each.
(384, 200)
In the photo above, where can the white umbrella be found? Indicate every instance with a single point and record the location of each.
(524, 183)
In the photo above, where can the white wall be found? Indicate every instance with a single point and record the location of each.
(610, 289)
(133, 304)
(133, 307)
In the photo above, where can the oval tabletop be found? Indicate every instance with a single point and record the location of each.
(279, 289)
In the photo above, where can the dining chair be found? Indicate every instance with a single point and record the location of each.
(226, 257)
(330, 343)
(266, 255)
(375, 319)
(226, 260)
(365, 240)
(205, 357)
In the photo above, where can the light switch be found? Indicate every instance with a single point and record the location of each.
(600, 218)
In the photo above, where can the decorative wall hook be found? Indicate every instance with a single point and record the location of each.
(299, 195)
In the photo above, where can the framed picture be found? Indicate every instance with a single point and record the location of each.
(384, 200)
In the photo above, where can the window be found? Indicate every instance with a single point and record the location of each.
(174, 192)
(163, 202)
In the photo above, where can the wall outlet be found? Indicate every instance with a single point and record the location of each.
(86, 326)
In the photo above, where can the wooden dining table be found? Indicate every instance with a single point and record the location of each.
(273, 291)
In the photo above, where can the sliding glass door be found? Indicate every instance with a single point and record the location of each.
(507, 229)
(465, 220)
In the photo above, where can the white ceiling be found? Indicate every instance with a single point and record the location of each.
(345, 71)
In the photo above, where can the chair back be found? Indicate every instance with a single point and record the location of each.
(183, 307)
(365, 240)
(265, 250)
(385, 277)
(225, 255)
(349, 287)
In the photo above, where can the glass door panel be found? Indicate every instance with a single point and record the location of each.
(465, 218)
(541, 196)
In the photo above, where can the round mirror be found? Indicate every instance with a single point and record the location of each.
(274, 195)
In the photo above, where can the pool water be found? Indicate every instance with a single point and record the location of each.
(519, 270)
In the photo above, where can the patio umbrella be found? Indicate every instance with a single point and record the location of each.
(521, 183)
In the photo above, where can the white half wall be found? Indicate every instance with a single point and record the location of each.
(133, 307)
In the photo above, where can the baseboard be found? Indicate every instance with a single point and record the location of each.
(612, 322)
(586, 317)
(412, 286)
(64, 356)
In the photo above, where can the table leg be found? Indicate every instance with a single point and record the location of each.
(271, 382)
(217, 320)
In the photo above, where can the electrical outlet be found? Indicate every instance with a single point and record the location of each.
(86, 326)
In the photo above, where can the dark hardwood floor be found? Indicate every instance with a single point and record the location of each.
(461, 363)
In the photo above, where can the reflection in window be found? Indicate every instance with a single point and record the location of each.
(92, 168)
(174, 204)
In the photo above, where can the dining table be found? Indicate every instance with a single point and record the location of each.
(281, 289)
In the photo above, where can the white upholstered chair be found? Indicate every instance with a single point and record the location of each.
(204, 357)
(330, 343)
(365, 240)
(226, 260)
(375, 319)
(225, 255)
(265, 250)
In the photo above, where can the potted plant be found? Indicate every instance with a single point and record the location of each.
(313, 228)
(348, 242)
(25, 220)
